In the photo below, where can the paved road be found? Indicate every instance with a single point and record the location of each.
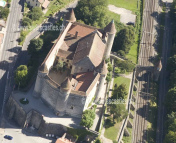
(163, 85)
(50, 21)
(8, 52)
(21, 136)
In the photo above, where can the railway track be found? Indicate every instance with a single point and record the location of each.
(146, 52)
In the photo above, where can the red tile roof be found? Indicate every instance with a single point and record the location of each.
(84, 81)
(81, 29)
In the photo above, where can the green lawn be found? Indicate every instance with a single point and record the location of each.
(133, 53)
(112, 131)
(128, 139)
(127, 4)
(114, 16)
(122, 80)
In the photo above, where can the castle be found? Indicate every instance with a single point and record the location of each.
(83, 49)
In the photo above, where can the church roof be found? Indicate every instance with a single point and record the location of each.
(91, 46)
(110, 28)
(70, 16)
(66, 84)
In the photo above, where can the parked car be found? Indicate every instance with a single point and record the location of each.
(8, 137)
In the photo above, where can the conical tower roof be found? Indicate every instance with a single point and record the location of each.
(110, 28)
(66, 84)
(71, 16)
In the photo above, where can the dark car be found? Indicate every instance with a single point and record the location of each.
(8, 137)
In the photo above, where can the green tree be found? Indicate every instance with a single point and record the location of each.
(170, 137)
(110, 68)
(26, 21)
(35, 45)
(21, 76)
(172, 81)
(124, 39)
(4, 12)
(172, 126)
(93, 12)
(97, 141)
(171, 65)
(36, 13)
(171, 100)
(120, 92)
(109, 77)
(87, 118)
(60, 66)
(118, 111)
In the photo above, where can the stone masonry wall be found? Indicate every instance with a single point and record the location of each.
(49, 128)
(83, 66)
(19, 114)
(36, 119)
(75, 105)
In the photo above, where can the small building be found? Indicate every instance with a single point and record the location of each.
(2, 24)
(38, 3)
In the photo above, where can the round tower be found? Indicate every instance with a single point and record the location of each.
(111, 31)
(102, 81)
(42, 72)
(62, 99)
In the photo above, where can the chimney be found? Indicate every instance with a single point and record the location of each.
(76, 34)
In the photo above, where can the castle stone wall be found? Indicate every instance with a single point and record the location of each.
(90, 96)
(36, 119)
(19, 115)
(38, 84)
(49, 93)
(83, 66)
(52, 54)
(49, 128)
(75, 105)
